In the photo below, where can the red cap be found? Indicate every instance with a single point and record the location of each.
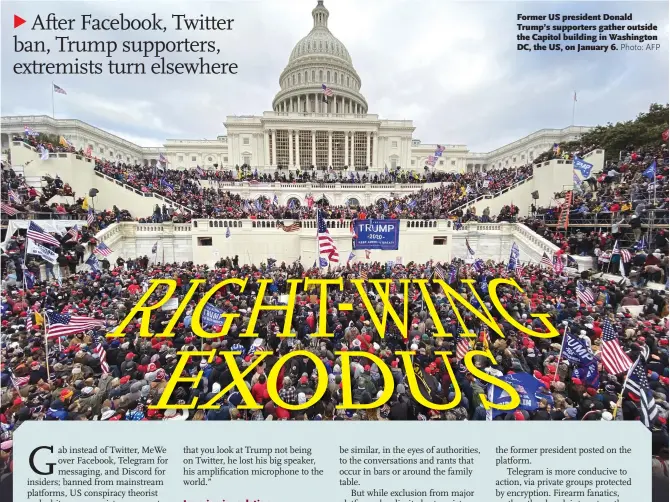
(518, 415)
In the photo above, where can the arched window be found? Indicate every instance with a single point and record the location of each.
(328, 77)
(321, 75)
(313, 75)
(353, 202)
(299, 78)
(335, 79)
(293, 203)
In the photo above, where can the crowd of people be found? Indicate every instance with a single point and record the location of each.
(64, 379)
(625, 207)
(25, 202)
(186, 190)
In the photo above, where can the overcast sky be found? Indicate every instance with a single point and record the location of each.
(451, 67)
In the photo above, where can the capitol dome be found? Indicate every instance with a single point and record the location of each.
(316, 60)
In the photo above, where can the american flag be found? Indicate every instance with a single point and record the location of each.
(168, 187)
(36, 233)
(200, 171)
(74, 232)
(59, 90)
(638, 385)
(625, 256)
(14, 196)
(293, 227)
(65, 324)
(546, 261)
(613, 357)
(102, 354)
(462, 344)
(90, 218)
(18, 381)
(327, 91)
(440, 272)
(103, 249)
(615, 249)
(585, 295)
(6, 208)
(326, 242)
(162, 159)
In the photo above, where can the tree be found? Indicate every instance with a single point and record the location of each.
(642, 133)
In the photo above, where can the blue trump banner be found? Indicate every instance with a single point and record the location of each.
(211, 316)
(582, 166)
(376, 234)
(585, 365)
(530, 391)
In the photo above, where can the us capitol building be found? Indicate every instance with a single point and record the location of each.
(303, 130)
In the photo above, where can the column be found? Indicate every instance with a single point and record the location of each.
(374, 152)
(266, 138)
(367, 150)
(314, 148)
(330, 148)
(290, 149)
(346, 148)
(274, 147)
(297, 149)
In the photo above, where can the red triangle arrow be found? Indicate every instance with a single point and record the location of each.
(18, 21)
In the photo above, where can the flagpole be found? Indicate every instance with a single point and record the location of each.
(318, 256)
(46, 345)
(25, 266)
(53, 106)
(574, 103)
(623, 388)
(565, 339)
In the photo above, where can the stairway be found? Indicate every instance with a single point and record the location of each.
(564, 216)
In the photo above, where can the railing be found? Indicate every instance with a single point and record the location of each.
(39, 215)
(304, 224)
(492, 195)
(535, 239)
(606, 218)
(141, 193)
